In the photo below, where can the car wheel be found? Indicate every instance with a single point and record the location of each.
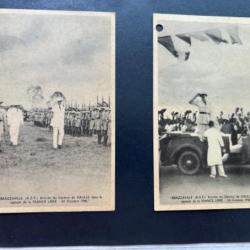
(189, 162)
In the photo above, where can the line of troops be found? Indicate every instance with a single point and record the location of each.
(96, 121)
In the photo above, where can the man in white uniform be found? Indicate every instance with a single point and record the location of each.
(15, 120)
(199, 100)
(57, 123)
(214, 154)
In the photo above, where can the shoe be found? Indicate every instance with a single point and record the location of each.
(59, 146)
(212, 176)
(224, 176)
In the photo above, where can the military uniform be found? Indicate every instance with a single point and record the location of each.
(109, 128)
(57, 123)
(98, 125)
(78, 124)
(15, 120)
(105, 118)
(92, 125)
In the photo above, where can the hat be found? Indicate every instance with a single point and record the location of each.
(162, 111)
(59, 99)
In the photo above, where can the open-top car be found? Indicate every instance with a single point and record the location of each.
(189, 152)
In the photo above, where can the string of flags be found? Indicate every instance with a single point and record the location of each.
(227, 35)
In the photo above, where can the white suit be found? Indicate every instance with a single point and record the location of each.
(57, 123)
(214, 154)
(15, 120)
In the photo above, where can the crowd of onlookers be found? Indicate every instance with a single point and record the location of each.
(238, 122)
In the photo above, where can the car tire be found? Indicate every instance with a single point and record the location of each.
(189, 162)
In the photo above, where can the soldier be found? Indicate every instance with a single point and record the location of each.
(50, 115)
(98, 123)
(45, 119)
(15, 120)
(67, 123)
(92, 125)
(78, 124)
(86, 122)
(57, 123)
(105, 118)
(83, 123)
(109, 128)
(73, 123)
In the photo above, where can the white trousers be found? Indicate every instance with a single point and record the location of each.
(14, 133)
(58, 134)
(221, 170)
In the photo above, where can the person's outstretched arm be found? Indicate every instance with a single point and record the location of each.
(192, 100)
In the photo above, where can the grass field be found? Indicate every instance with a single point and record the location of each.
(81, 167)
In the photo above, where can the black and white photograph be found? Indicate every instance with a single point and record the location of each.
(201, 112)
(57, 111)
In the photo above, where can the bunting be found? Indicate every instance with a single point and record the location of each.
(215, 35)
(199, 36)
(185, 38)
(234, 34)
(167, 42)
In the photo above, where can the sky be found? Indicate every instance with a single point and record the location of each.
(67, 53)
(222, 71)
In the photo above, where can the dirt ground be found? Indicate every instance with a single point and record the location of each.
(173, 183)
(80, 168)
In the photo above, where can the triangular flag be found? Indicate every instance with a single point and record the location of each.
(183, 56)
(185, 38)
(234, 34)
(199, 36)
(167, 42)
(216, 36)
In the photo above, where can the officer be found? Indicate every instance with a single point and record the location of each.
(92, 125)
(15, 120)
(199, 100)
(57, 123)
